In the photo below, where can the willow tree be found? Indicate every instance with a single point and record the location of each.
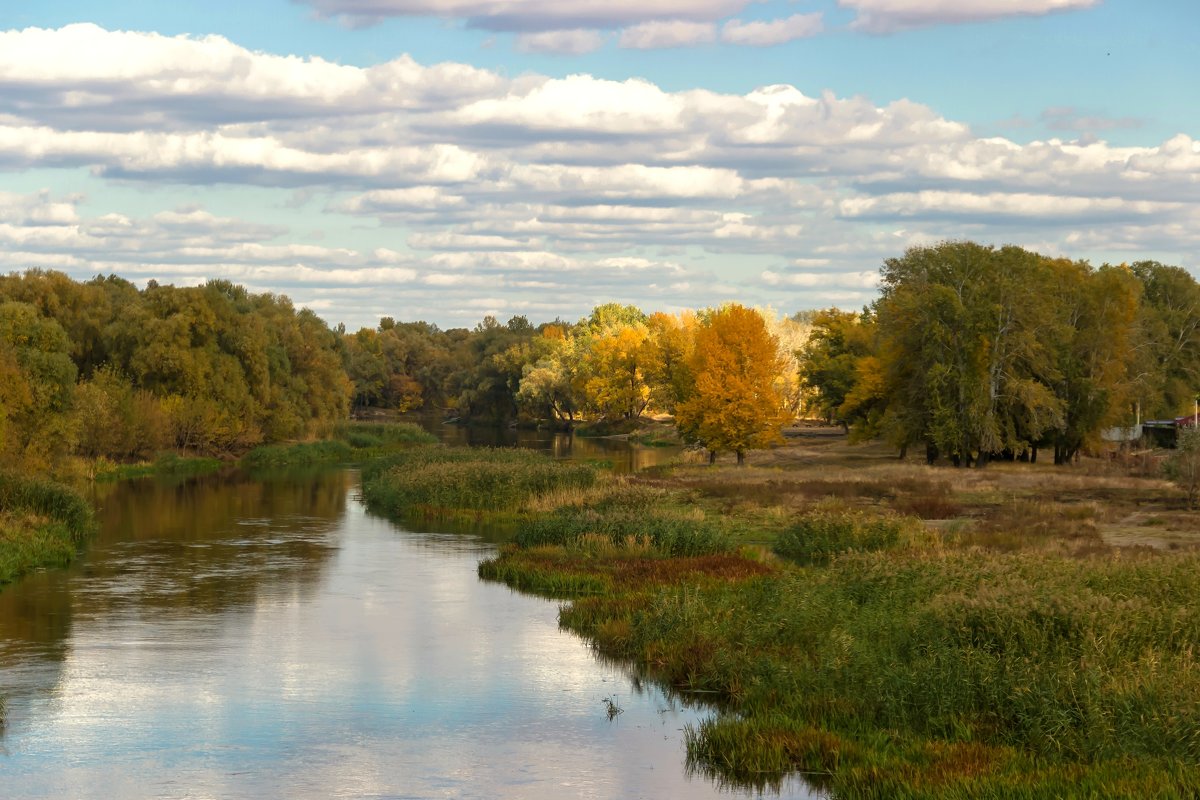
(734, 402)
(966, 346)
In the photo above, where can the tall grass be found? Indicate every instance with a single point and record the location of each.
(435, 480)
(42, 523)
(350, 440)
(631, 517)
(888, 665)
(287, 455)
(364, 435)
(824, 533)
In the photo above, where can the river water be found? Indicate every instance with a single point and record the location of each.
(235, 638)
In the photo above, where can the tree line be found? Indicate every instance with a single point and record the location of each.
(971, 352)
(978, 352)
(101, 368)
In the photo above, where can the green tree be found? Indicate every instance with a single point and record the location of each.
(829, 360)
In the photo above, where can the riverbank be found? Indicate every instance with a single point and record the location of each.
(890, 629)
(42, 524)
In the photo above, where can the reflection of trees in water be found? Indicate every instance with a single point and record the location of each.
(213, 543)
(208, 545)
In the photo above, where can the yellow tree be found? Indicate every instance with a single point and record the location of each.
(735, 402)
(612, 378)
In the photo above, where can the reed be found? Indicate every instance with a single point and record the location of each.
(286, 455)
(42, 523)
(437, 480)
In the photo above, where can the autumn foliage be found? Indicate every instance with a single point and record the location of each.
(733, 404)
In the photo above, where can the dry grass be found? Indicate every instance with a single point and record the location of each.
(1092, 505)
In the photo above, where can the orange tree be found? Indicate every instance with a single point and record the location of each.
(733, 403)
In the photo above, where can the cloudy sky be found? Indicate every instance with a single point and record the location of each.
(446, 159)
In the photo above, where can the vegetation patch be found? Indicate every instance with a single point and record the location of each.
(442, 481)
(351, 440)
(165, 464)
(1010, 656)
(42, 523)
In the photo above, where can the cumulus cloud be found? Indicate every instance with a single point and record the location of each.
(575, 186)
(889, 16)
(667, 33)
(761, 33)
(531, 15)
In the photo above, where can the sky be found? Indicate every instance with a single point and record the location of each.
(442, 160)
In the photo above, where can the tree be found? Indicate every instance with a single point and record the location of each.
(1169, 339)
(734, 403)
(1183, 465)
(965, 333)
(829, 360)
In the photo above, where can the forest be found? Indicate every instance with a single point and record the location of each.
(970, 352)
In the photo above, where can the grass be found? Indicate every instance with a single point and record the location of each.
(165, 464)
(42, 523)
(351, 440)
(442, 481)
(1002, 649)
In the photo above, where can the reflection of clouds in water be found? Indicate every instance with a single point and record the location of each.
(394, 671)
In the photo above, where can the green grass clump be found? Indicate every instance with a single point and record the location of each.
(351, 440)
(288, 455)
(445, 480)
(42, 523)
(379, 435)
(635, 516)
(820, 535)
(166, 463)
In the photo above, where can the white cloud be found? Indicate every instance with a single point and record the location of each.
(661, 34)
(889, 16)
(573, 42)
(759, 33)
(532, 15)
(583, 187)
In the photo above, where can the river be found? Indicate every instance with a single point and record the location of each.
(225, 637)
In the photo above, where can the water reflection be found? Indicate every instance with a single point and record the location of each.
(623, 455)
(231, 639)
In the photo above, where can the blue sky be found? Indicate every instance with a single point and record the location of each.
(443, 159)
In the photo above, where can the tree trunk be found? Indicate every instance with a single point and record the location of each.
(741, 458)
(712, 457)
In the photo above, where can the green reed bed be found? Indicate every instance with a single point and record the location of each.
(289, 455)
(382, 435)
(170, 464)
(42, 523)
(888, 666)
(632, 516)
(449, 481)
(351, 440)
